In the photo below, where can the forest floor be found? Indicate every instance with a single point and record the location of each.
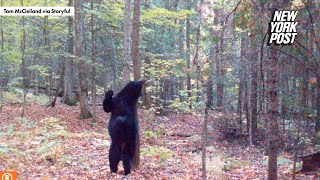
(52, 143)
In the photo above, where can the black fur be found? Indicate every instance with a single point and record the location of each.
(123, 124)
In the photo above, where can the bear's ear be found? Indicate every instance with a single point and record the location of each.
(107, 102)
(109, 94)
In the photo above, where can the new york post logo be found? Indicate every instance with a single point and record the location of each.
(282, 28)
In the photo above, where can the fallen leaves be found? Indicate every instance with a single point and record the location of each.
(52, 143)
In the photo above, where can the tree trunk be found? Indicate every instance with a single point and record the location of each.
(188, 60)
(93, 78)
(136, 39)
(285, 90)
(220, 70)
(253, 82)
(136, 68)
(127, 43)
(181, 55)
(49, 77)
(242, 73)
(318, 102)
(314, 16)
(69, 96)
(1, 62)
(79, 30)
(196, 55)
(272, 114)
(146, 98)
(24, 64)
(203, 94)
(272, 107)
(246, 104)
(214, 50)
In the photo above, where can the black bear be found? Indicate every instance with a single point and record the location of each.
(123, 124)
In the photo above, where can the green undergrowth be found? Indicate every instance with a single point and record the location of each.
(162, 152)
(45, 140)
(16, 96)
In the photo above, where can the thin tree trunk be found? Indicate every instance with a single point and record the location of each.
(272, 107)
(45, 57)
(272, 114)
(136, 69)
(211, 60)
(246, 105)
(136, 39)
(203, 94)
(188, 60)
(196, 55)
(24, 64)
(181, 55)
(318, 102)
(1, 63)
(242, 77)
(127, 43)
(79, 25)
(245, 80)
(296, 146)
(220, 70)
(146, 98)
(93, 78)
(254, 80)
(69, 96)
(284, 91)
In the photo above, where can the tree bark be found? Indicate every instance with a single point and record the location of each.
(181, 55)
(272, 107)
(127, 43)
(188, 61)
(79, 30)
(1, 62)
(254, 80)
(318, 102)
(69, 81)
(136, 69)
(136, 40)
(272, 114)
(203, 94)
(93, 78)
(220, 69)
(242, 77)
(214, 51)
(24, 64)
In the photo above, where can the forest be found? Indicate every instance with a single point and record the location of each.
(218, 100)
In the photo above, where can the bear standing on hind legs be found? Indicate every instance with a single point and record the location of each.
(123, 124)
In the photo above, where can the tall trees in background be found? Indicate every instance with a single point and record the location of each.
(168, 44)
(81, 63)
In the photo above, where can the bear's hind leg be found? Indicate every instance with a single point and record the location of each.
(114, 157)
(128, 153)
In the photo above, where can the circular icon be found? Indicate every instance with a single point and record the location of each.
(6, 176)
